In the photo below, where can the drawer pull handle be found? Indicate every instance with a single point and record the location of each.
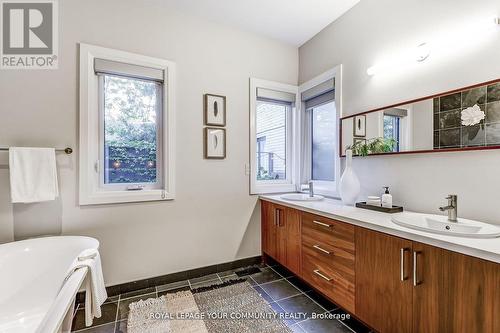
(317, 272)
(317, 247)
(322, 224)
(403, 276)
(416, 281)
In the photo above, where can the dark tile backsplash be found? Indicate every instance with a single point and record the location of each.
(448, 129)
(493, 92)
(450, 102)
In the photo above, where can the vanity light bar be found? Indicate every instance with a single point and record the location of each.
(497, 20)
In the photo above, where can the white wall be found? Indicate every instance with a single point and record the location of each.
(376, 29)
(213, 219)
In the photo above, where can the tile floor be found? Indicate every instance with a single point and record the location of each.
(282, 290)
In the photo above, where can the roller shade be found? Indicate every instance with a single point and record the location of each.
(110, 67)
(320, 94)
(275, 95)
(396, 112)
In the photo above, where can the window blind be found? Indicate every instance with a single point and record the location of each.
(320, 94)
(110, 67)
(275, 95)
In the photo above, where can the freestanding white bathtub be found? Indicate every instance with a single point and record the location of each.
(33, 295)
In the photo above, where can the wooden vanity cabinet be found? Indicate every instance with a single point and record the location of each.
(383, 281)
(405, 286)
(281, 235)
(392, 284)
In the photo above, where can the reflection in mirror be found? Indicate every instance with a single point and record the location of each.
(466, 119)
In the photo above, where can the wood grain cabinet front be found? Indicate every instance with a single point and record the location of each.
(328, 257)
(392, 284)
(406, 286)
(281, 234)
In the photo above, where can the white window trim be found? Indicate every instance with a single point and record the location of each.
(89, 190)
(324, 187)
(288, 185)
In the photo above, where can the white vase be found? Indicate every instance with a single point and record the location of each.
(349, 183)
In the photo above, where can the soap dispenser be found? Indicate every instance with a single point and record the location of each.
(386, 198)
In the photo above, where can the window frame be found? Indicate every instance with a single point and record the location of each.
(326, 188)
(273, 186)
(90, 162)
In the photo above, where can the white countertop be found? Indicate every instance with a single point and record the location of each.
(488, 249)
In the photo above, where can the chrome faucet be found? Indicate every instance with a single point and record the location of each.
(311, 189)
(451, 208)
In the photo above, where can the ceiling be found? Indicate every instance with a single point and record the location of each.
(291, 21)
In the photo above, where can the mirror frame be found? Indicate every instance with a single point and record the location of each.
(414, 101)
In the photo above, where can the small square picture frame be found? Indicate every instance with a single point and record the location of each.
(214, 143)
(214, 110)
(359, 126)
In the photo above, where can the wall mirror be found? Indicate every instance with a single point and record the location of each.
(462, 119)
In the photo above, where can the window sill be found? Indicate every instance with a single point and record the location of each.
(113, 197)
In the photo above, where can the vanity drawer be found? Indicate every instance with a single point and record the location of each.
(328, 232)
(320, 275)
(339, 261)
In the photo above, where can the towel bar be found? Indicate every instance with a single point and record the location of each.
(67, 150)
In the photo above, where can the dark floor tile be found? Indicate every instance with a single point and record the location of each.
(299, 284)
(247, 271)
(205, 284)
(173, 291)
(263, 294)
(322, 300)
(123, 308)
(285, 316)
(173, 285)
(108, 315)
(205, 278)
(138, 292)
(283, 271)
(228, 272)
(266, 275)
(300, 303)
(324, 326)
(350, 321)
(236, 277)
(121, 326)
(296, 328)
(106, 328)
(280, 289)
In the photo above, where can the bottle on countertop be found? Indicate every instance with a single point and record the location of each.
(386, 198)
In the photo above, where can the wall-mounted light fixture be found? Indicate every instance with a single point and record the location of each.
(442, 41)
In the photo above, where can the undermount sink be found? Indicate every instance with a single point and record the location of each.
(301, 197)
(439, 224)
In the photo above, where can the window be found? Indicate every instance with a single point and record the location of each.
(392, 129)
(271, 121)
(272, 112)
(323, 132)
(126, 127)
(319, 151)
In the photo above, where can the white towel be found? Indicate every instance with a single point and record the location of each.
(33, 174)
(95, 290)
